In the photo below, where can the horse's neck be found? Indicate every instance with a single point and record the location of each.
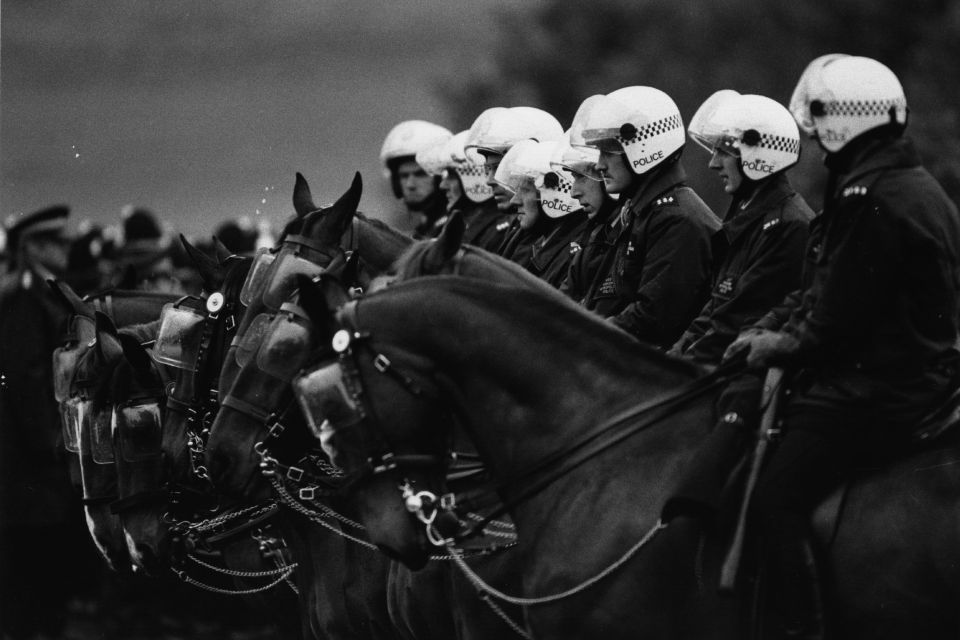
(379, 246)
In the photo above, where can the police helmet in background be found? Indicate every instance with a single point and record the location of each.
(402, 144)
(144, 256)
(86, 270)
(757, 130)
(239, 236)
(48, 224)
(840, 98)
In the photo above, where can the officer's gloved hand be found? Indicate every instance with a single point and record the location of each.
(740, 346)
(765, 348)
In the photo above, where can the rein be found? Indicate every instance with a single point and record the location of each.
(557, 464)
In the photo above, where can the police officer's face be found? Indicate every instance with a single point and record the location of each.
(527, 201)
(589, 193)
(500, 193)
(451, 187)
(47, 250)
(415, 184)
(727, 167)
(615, 171)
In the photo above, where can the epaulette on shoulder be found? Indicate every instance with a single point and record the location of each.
(854, 190)
(771, 223)
(666, 201)
(503, 226)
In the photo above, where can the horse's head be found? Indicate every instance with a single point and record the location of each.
(308, 248)
(258, 419)
(392, 466)
(135, 392)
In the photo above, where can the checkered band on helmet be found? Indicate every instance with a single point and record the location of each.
(780, 143)
(651, 130)
(858, 108)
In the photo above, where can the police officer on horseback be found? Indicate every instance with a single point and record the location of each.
(656, 274)
(419, 192)
(463, 182)
(492, 134)
(873, 338)
(758, 254)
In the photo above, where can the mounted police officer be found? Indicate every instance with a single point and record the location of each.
(758, 254)
(601, 209)
(550, 219)
(419, 192)
(656, 275)
(491, 135)
(875, 334)
(37, 557)
(463, 183)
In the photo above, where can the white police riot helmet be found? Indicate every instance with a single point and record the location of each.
(577, 160)
(530, 160)
(469, 166)
(434, 159)
(498, 128)
(409, 137)
(840, 97)
(641, 122)
(758, 130)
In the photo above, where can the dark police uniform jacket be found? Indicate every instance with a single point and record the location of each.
(657, 275)
(486, 226)
(882, 312)
(34, 484)
(595, 241)
(758, 258)
(551, 254)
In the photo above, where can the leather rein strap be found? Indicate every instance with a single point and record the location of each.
(558, 464)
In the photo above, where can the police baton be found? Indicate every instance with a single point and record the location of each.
(769, 401)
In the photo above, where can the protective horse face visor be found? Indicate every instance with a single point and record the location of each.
(249, 343)
(282, 281)
(98, 425)
(82, 331)
(325, 401)
(287, 341)
(257, 276)
(180, 338)
(71, 413)
(137, 428)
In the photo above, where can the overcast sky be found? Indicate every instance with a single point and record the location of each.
(202, 110)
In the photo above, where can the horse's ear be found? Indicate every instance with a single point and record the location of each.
(104, 324)
(64, 294)
(221, 250)
(328, 225)
(320, 298)
(302, 198)
(208, 268)
(134, 352)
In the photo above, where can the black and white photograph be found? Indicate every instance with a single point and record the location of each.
(479, 320)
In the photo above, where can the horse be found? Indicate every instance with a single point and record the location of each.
(79, 366)
(413, 597)
(587, 432)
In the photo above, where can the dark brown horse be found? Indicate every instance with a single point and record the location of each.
(587, 433)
